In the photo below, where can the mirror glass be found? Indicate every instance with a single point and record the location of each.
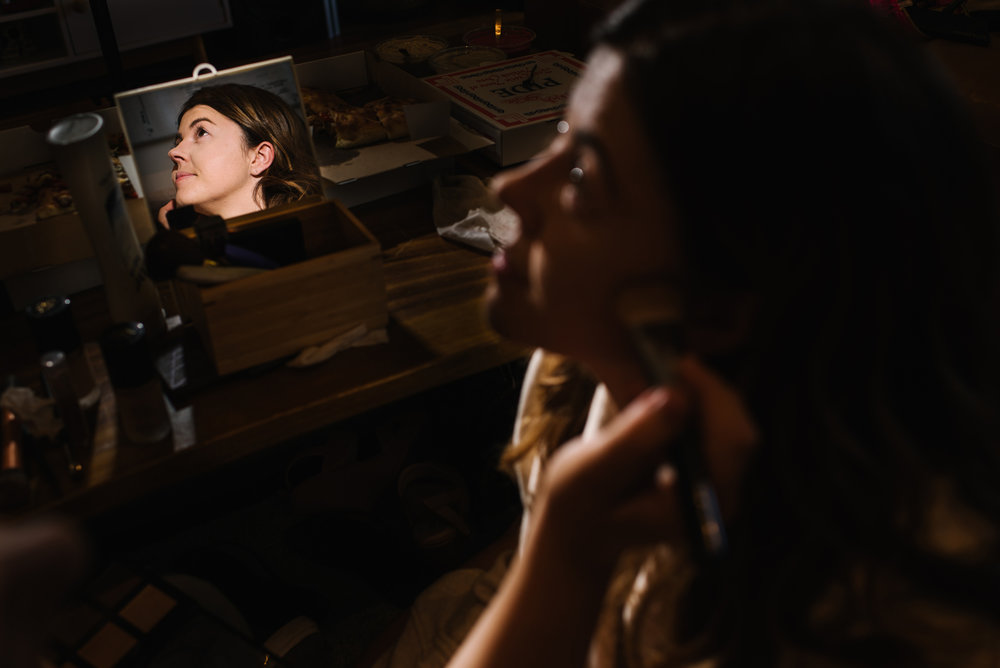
(200, 162)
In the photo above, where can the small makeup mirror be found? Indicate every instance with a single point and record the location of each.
(149, 120)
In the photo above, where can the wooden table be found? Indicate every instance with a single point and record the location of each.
(436, 332)
(976, 73)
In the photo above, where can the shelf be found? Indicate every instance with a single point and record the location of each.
(28, 14)
(36, 38)
(35, 64)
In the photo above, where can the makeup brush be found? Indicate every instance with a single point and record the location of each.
(653, 315)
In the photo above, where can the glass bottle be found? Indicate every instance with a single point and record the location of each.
(53, 328)
(142, 409)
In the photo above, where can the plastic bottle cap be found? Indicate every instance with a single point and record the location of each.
(126, 354)
(53, 359)
(75, 128)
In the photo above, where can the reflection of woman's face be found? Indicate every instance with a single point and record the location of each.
(212, 165)
(593, 219)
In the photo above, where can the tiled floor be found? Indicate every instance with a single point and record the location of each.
(321, 526)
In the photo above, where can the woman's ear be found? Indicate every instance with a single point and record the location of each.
(262, 158)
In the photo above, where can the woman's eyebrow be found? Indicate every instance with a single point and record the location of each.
(584, 139)
(177, 137)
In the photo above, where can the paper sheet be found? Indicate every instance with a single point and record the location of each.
(465, 210)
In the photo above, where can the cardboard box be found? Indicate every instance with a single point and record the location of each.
(31, 247)
(515, 102)
(360, 175)
(279, 312)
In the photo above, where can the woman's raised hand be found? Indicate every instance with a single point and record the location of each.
(616, 489)
(596, 497)
(161, 216)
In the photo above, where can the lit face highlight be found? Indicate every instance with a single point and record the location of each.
(594, 218)
(213, 168)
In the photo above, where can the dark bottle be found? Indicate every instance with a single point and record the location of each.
(142, 409)
(53, 328)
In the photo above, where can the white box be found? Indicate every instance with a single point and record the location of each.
(359, 175)
(515, 102)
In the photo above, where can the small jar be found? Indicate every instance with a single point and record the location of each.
(53, 328)
(142, 409)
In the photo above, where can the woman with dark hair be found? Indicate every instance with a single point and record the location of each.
(240, 149)
(807, 182)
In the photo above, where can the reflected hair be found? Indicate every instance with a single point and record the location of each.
(264, 116)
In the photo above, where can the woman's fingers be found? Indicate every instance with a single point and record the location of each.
(728, 433)
(725, 418)
(653, 515)
(616, 489)
(164, 210)
(623, 455)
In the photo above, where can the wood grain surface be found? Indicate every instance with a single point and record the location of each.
(436, 335)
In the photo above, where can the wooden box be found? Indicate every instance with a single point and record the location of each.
(277, 313)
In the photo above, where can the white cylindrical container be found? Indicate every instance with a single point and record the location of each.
(82, 153)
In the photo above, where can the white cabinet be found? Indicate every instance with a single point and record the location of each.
(35, 34)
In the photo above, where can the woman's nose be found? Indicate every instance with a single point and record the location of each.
(522, 190)
(175, 153)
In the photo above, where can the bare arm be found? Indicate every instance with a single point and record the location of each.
(545, 611)
(543, 615)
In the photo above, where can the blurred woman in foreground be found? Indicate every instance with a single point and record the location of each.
(807, 183)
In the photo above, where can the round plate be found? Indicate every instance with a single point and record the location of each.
(409, 49)
(464, 57)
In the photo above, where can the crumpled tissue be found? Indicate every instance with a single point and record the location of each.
(37, 414)
(465, 210)
(359, 336)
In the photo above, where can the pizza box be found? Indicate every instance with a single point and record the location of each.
(332, 285)
(31, 248)
(516, 102)
(355, 176)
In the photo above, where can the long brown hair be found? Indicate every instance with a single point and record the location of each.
(823, 164)
(554, 409)
(264, 116)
